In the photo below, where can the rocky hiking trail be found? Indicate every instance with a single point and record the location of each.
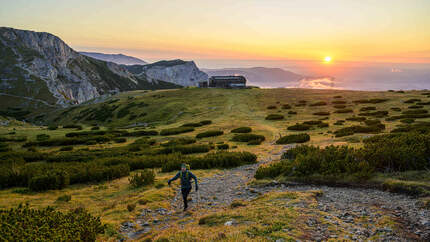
(342, 206)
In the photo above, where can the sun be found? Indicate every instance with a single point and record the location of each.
(327, 59)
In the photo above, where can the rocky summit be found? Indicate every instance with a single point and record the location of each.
(184, 73)
(40, 67)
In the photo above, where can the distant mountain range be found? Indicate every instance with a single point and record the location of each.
(115, 58)
(261, 76)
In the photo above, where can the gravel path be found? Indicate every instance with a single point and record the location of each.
(341, 204)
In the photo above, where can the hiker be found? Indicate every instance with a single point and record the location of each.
(185, 175)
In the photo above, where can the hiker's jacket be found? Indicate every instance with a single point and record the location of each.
(185, 179)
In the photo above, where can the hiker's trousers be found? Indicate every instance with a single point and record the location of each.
(185, 192)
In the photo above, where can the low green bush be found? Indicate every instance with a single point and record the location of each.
(48, 224)
(357, 119)
(368, 108)
(415, 107)
(320, 103)
(374, 100)
(274, 117)
(271, 170)
(66, 148)
(286, 106)
(4, 147)
(72, 126)
(178, 130)
(64, 198)
(419, 127)
(180, 141)
(294, 138)
(131, 207)
(242, 130)
(42, 137)
(49, 181)
(248, 138)
(209, 133)
(52, 127)
(271, 107)
(223, 146)
(220, 159)
(403, 116)
(370, 122)
(396, 109)
(199, 124)
(371, 129)
(292, 112)
(323, 125)
(143, 178)
(312, 122)
(184, 149)
(339, 106)
(374, 114)
(423, 103)
(412, 100)
(206, 122)
(416, 111)
(299, 127)
(139, 133)
(85, 134)
(407, 120)
(69, 141)
(322, 113)
(255, 142)
(120, 140)
(346, 110)
(13, 138)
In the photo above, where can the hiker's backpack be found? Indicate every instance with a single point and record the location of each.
(187, 175)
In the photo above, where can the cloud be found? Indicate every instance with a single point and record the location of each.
(317, 83)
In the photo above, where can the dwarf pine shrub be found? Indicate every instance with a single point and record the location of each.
(274, 117)
(322, 113)
(368, 108)
(143, 178)
(286, 106)
(209, 133)
(178, 130)
(294, 138)
(299, 127)
(26, 224)
(247, 137)
(242, 130)
(346, 110)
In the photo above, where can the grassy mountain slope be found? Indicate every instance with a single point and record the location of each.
(116, 202)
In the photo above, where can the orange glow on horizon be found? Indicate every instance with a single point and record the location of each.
(292, 30)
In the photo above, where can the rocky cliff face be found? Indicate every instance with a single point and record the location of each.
(115, 58)
(184, 73)
(41, 66)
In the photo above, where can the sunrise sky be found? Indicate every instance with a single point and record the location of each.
(346, 30)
